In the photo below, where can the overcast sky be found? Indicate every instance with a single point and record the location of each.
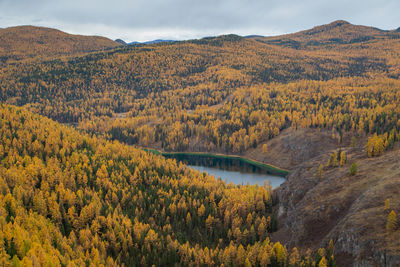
(142, 20)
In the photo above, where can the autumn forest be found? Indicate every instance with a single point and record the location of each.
(79, 114)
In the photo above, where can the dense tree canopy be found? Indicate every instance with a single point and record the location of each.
(224, 94)
(68, 198)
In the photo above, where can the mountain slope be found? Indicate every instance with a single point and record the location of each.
(350, 210)
(336, 33)
(250, 91)
(30, 42)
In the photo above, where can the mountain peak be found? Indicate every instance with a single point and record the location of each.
(121, 41)
(338, 23)
(328, 27)
(335, 33)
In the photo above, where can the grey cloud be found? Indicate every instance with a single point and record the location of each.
(138, 19)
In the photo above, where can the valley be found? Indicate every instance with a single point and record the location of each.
(88, 125)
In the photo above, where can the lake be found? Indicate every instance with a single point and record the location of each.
(232, 170)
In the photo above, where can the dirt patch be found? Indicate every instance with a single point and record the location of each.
(293, 147)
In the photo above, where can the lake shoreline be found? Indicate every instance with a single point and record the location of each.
(268, 167)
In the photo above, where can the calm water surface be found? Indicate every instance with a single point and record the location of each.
(230, 170)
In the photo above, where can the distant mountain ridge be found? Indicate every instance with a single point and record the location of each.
(337, 32)
(23, 42)
(121, 41)
(157, 41)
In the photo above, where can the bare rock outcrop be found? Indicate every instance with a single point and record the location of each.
(346, 209)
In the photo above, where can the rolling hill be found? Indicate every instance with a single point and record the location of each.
(336, 33)
(27, 42)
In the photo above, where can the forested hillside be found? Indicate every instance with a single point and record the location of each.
(331, 36)
(71, 199)
(30, 42)
(324, 103)
(226, 94)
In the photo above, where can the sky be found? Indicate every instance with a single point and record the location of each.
(143, 20)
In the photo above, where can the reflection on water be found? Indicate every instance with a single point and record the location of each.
(231, 170)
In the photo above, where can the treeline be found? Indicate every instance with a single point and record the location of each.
(72, 199)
